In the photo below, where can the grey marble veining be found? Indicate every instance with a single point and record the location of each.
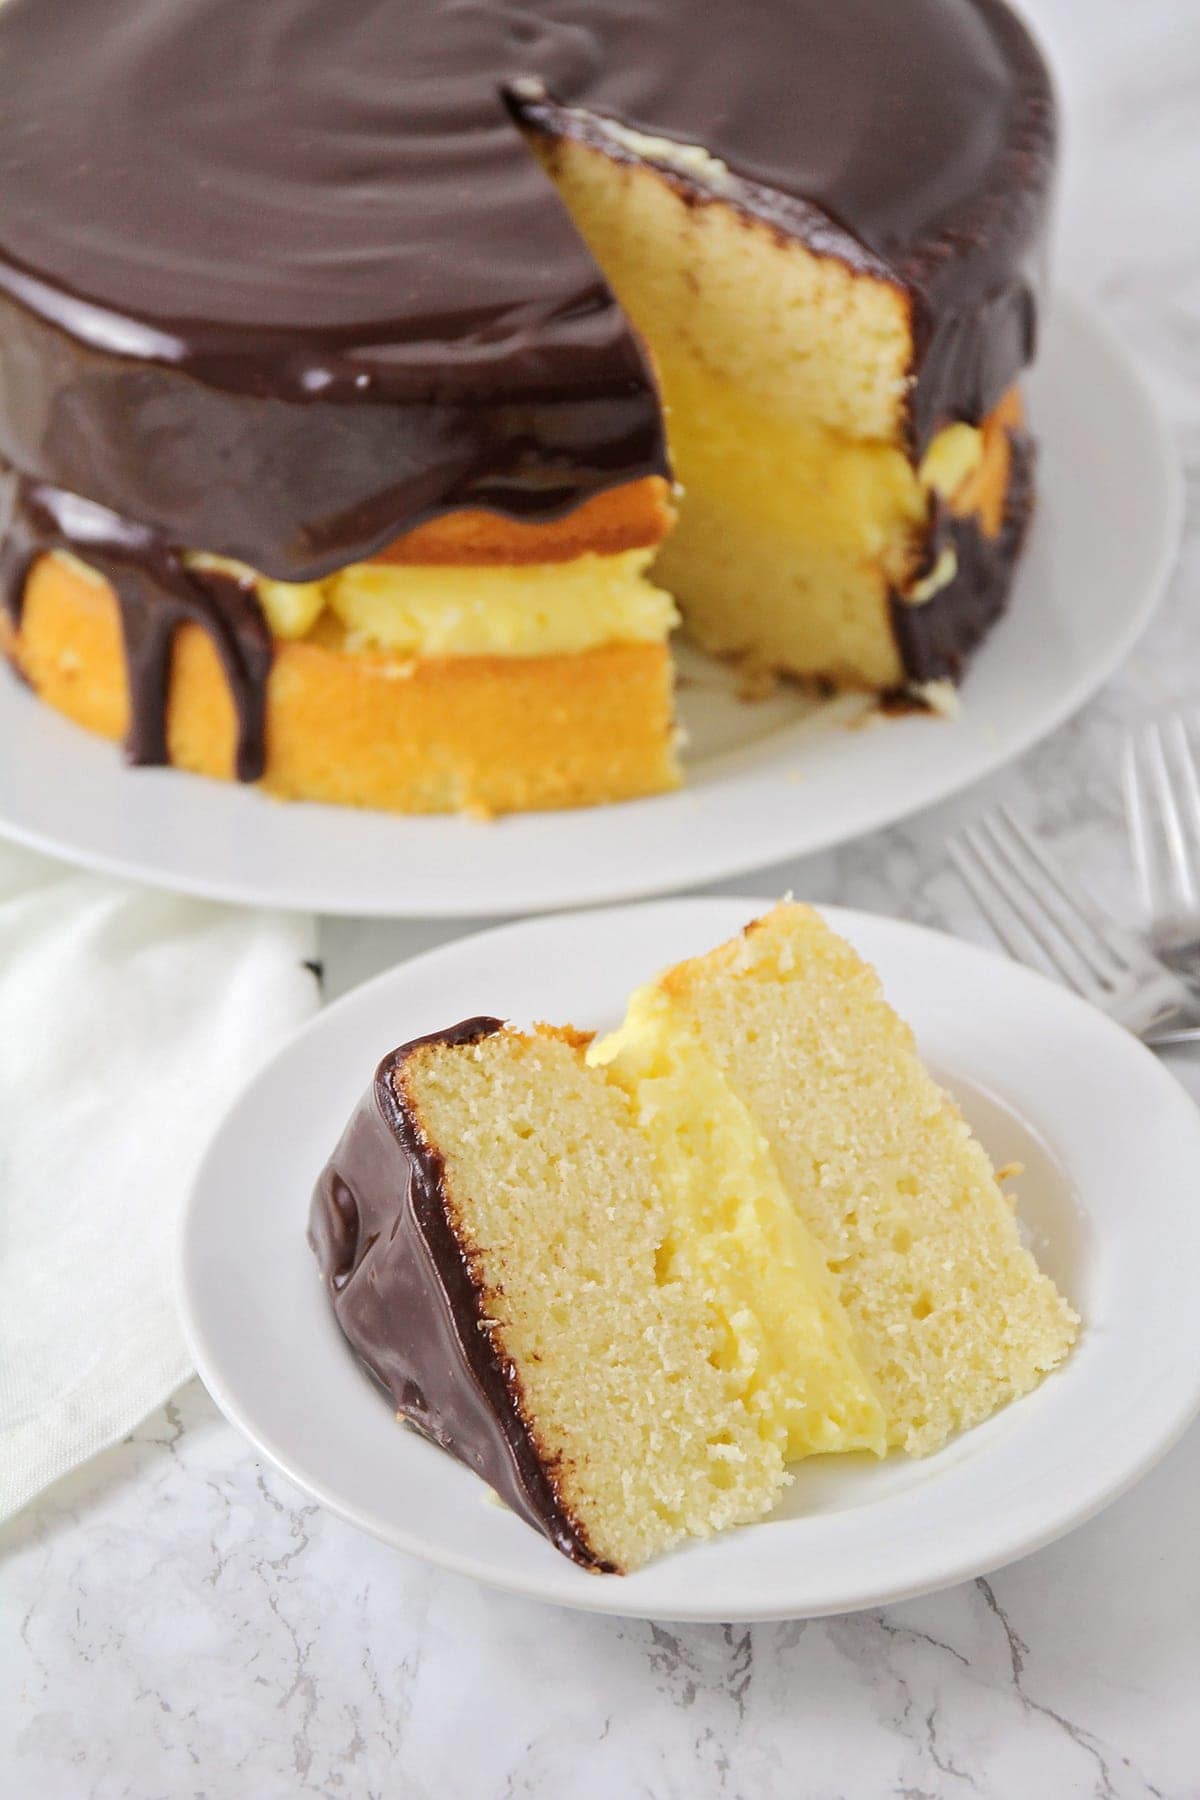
(176, 1621)
(181, 1623)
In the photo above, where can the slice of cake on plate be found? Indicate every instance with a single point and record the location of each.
(628, 1282)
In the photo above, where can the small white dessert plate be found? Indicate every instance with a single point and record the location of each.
(1111, 1148)
(767, 781)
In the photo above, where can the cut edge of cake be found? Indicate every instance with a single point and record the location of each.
(814, 531)
(951, 1313)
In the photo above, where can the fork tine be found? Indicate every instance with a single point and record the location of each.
(1019, 879)
(1033, 909)
(1187, 801)
(1090, 935)
(1139, 817)
(1162, 803)
(995, 880)
(972, 867)
(1170, 819)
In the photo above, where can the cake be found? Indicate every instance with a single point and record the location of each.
(379, 383)
(629, 1281)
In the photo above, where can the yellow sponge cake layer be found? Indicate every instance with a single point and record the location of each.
(477, 733)
(797, 332)
(784, 1338)
(951, 1315)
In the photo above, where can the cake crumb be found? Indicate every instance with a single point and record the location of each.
(756, 681)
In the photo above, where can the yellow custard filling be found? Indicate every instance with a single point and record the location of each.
(411, 610)
(787, 1345)
(858, 498)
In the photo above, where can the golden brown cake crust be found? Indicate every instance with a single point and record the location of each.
(632, 517)
(476, 734)
(985, 491)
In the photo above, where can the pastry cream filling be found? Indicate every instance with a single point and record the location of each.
(857, 498)
(951, 459)
(415, 610)
(787, 1346)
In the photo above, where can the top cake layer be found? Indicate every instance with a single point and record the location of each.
(211, 208)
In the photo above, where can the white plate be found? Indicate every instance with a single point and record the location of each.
(766, 782)
(1111, 1146)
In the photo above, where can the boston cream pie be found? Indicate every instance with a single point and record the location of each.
(334, 455)
(630, 1282)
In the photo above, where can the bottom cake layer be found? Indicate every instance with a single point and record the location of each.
(476, 734)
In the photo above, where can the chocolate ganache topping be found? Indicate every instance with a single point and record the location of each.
(280, 281)
(936, 637)
(402, 1292)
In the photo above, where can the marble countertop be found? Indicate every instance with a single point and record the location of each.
(176, 1621)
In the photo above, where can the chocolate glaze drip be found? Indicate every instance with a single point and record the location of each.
(404, 1295)
(936, 638)
(155, 593)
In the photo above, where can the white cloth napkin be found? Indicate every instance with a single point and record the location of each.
(129, 1019)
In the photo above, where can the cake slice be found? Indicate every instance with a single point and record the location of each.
(950, 1313)
(620, 1324)
(629, 1281)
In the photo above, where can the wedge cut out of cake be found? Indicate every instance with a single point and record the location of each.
(380, 384)
(629, 1281)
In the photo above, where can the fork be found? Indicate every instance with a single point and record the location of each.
(1162, 805)
(1033, 906)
